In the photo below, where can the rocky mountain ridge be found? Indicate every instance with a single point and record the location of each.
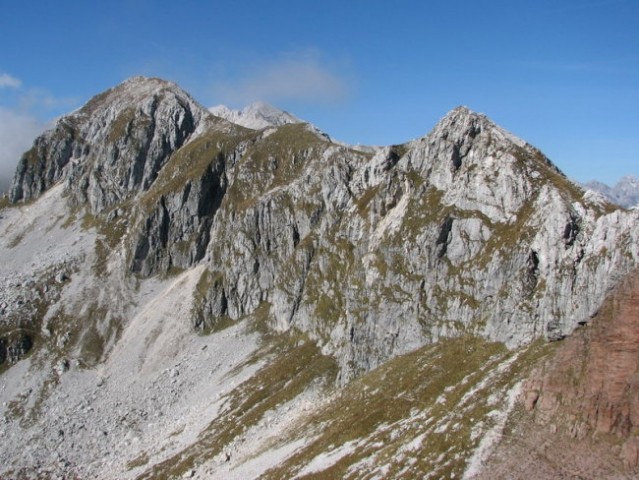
(357, 257)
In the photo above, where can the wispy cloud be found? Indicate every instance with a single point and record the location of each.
(39, 99)
(9, 81)
(302, 77)
(17, 132)
(24, 114)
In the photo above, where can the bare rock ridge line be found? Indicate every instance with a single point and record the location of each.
(213, 255)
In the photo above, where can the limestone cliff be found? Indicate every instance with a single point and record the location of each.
(114, 146)
(183, 296)
(466, 230)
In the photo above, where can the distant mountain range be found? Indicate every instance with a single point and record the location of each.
(625, 193)
(255, 116)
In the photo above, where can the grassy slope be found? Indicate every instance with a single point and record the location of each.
(420, 415)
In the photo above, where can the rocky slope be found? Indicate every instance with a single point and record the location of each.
(146, 235)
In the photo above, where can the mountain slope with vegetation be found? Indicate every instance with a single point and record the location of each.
(183, 295)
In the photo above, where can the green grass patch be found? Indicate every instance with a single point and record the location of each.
(422, 213)
(363, 202)
(273, 161)
(120, 127)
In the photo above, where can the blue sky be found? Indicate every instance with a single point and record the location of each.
(563, 75)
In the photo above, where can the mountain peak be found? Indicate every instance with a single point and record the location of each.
(129, 131)
(463, 120)
(142, 80)
(133, 91)
(462, 110)
(257, 115)
(629, 180)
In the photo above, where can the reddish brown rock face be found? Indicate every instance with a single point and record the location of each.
(579, 415)
(610, 382)
(591, 385)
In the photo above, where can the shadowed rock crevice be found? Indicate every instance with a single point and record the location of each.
(444, 237)
(531, 277)
(177, 232)
(571, 230)
(14, 346)
(456, 158)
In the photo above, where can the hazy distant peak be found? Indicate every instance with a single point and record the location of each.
(256, 116)
(625, 193)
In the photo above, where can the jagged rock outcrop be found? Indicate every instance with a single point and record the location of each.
(466, 230)
(113, 146)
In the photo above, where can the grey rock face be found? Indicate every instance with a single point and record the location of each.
(113, 146)
(110, 153)
(468, 230)
(176, 232)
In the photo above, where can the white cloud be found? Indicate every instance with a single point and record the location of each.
(8, 81)
(17, 132)
(22, 115)
(295, 77)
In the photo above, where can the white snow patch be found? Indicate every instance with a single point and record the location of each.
(415, 444)
(327, 459)
(489, 378)
(492, 436)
